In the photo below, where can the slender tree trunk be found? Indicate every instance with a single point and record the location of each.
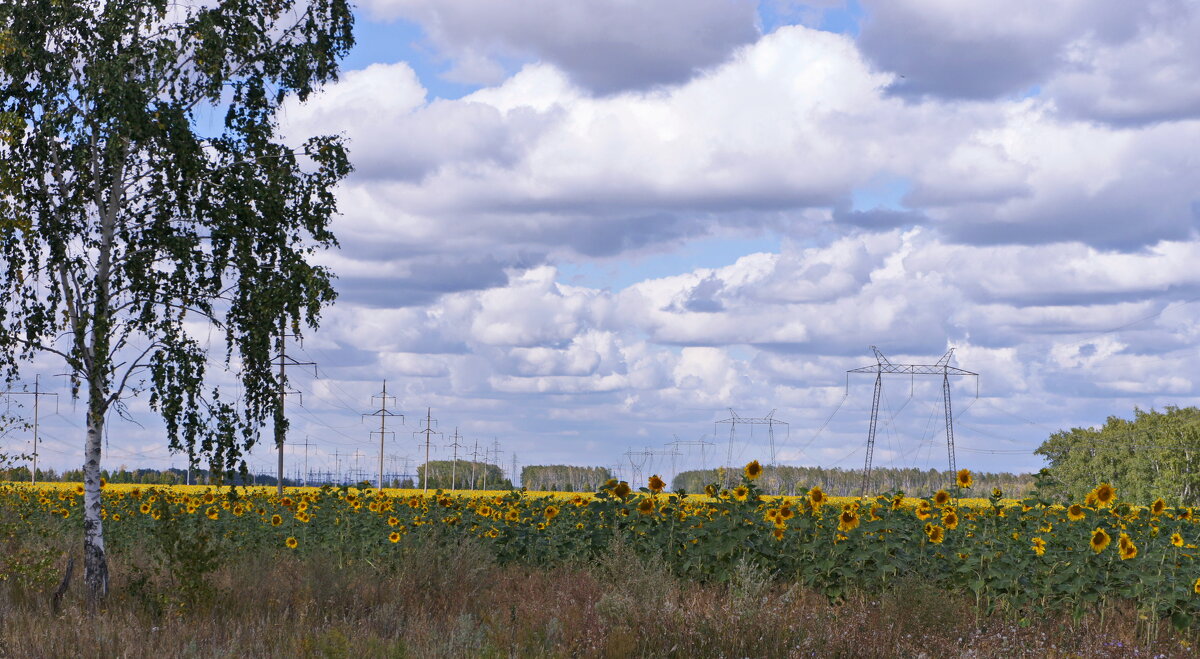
(95, 560)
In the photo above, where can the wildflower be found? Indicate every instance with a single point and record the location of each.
(963, 478)
(276, 520)
(392, 521)
(741, 492)
(753, 470)
(941, 498)
(291, 542)
(287, 502)
(550, 512)
(1158, 507)
(145, 508)
(816, 496)
(1176, 539)
(394, 536)
(1039, 546)
(1128, 549)
(655, 484)
(1100, 540)
(211, 513)
(116, 517)
(1076, 512)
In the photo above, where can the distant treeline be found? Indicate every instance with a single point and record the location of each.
(563, 478)
(1153, 455)
(143, 476)
(462, 474)
(848, 482)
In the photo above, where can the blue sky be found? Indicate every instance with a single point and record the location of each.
(583, 228)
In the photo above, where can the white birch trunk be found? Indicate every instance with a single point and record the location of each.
(95, 561)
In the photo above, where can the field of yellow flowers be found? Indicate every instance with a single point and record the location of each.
(1009, 555)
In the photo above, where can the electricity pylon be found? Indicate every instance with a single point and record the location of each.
(384, 414)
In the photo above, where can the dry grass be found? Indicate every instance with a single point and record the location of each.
(454, 601)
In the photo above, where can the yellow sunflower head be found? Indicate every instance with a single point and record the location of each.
(1177, 539)
(291, 542)
(950, 519)
(1196, 586)
(646, 506)
(550, 512)
(1127, 548)
(786, 512)
(741, 492)
(963, 478)
(1039, 546)
(816, 496)
(936, 534)
(711, 490)
(655, 484)
(1105, 494)
(897, 502)
(777, 532)
(1076, 512)
(941, 497)
(997, 493)
(753, 470)
(621, 489)
(848, 521)
(394, 536)
(1158, 507)
(276, 520)
(1100, 540)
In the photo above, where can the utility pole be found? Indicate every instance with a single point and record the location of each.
(513, 474)
(283, 361)
(883, 366)
(454, 463)
(337, 467)
(474, 459)
(305, 481)
(383, 413)
(37, 394)
(769, 421)
(495, 458)
(429, 432)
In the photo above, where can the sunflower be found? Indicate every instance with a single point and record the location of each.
(646, 506)
(291, 542)
(936, 534)
(79, 489)
(655, 484)
(741, 492)
(1090, 499)
(711, 490)
(1100, 540)
(777, 532)
(922, 510)
(1128, 549)
(1177, 539)
(1158, 507)
(753, 470)
(621, 489)
(550, 512)
(303, 517)
(1196, 586)
(394, 536)
(276, 520)
(116, 517)
(392, 521)
(963, 478)
(1105, 494)
(898, 502)
(941, 497)
(786, 512)
(1186, 514)
(847, 521)
(1076, 512)
(145, 508)
(609, 484)
(1039, 546)
(950, 519)
(997, 493)
(816, 496)
(211, 513)
(287, 502)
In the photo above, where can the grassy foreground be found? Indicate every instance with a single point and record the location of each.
(454, 600)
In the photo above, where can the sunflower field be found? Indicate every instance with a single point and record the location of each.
(1011, 555)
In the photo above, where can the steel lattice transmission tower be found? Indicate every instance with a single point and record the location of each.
(734, 419)
(884, 366)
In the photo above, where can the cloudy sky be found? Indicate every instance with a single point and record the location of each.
(581, 228)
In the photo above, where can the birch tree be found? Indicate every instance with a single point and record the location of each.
(125, 224)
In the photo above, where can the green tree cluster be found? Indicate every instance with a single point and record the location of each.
(1153, 455)
(848, 482)
(563, 478)
(442, 474)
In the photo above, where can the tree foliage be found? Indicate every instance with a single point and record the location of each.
(125, 230)
(1153, 455)
(847, 482)
(563, 478)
